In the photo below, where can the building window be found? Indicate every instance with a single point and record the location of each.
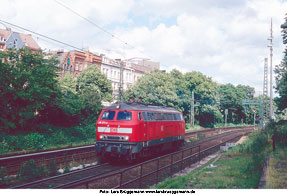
(86, 65)
(77, 68)
(15, 43)
(111, 73)
(80, 69)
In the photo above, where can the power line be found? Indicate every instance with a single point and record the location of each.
(88, 20)
(96, 25)
(63, 43)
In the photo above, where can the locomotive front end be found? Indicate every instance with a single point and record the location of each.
(115, 134)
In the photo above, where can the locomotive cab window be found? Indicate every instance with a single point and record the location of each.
(173, 117)
(139, 116)
(169, 117)
(158, 117)
(177, 116)
(108, 115)
(144, 116)
(124, 116)
(150, 116)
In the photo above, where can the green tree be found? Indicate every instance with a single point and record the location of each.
(281, 74)
(156, 87)
(93, 88)
(231, 98)
(69, 104)
(184, 98)
(205, 95)
(28, 85)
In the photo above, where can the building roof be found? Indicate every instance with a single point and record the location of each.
(140, 106)
(141, 68)
(61, 56)
(5, 33)
(29, 41)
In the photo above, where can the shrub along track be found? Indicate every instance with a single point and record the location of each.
(142, 174)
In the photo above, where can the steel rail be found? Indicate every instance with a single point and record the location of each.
(86, 181)
(56, 177)
(60, 151)
(53, 152)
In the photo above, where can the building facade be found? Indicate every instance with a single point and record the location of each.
(15, 40)
(112, 69)
(76, 62)
(132, 71)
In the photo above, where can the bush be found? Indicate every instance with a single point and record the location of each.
(3, 174)
(81, 133)
(281, 135)
(35, 141)
(30, 171)
(51, 136)
(59, 138)
(255, 145)
(14, 142)
(4, 146)
(32, 141)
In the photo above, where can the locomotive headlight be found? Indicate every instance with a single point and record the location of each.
(101, 137)
(126, 138)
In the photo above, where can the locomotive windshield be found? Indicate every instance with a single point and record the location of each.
(124, 116)
(108, 115)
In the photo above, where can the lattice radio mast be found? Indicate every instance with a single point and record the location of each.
(265, 89)
(271, 70)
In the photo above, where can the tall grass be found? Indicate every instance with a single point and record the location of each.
(239, 167)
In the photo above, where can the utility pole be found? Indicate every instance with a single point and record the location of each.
(271, 70)
(254, 116)
(192, 110)
(121, 83)
(226, 113)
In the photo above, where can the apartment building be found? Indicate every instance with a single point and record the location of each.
(133, 69)
(76, 62)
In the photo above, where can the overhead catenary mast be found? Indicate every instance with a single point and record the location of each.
(271, 70)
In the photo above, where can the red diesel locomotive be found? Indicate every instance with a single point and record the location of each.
(133, 130)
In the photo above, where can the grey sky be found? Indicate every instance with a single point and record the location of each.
(224, 39)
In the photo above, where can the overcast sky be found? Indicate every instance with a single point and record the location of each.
(223, 39)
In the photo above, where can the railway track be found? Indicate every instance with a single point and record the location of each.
(59, 180)
(80, 155)
(107, 176)
(61, 156)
